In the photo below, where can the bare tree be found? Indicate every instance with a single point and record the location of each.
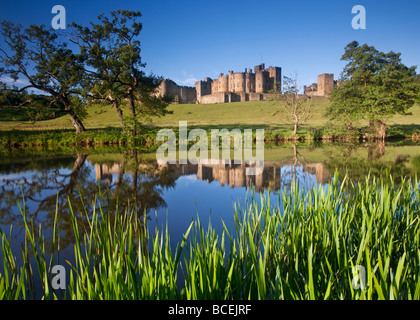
(293, 107)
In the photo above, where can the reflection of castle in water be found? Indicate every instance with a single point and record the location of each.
(230, 174)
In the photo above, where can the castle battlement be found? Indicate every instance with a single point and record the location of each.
(239, 86)
(323, 88)
(254, 84)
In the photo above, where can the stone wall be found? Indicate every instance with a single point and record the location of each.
(180, 94)
(325, 83)
(232, 87)
(252, 84)
(323, 88)
(218, 97)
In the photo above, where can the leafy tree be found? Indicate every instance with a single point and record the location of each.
(293, 107)
(115, 67)
(374, 87)
(27, 106)
(36, 57)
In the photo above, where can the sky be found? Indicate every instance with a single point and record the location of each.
(187, 41)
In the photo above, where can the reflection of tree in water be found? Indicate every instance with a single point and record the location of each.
(294, 172)
(59, 186)
(346, 160)
(139, 185)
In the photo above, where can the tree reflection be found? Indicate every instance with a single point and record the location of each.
(139, 186)
(358, 161)
(129, 182)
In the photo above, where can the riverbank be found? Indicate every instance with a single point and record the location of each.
(113, 136)
(103, 127)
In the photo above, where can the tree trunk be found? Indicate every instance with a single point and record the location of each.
(80, 128)
(119, 114)
(69, 187)
(372, 129)
(382, 130)
(133, 114)
(295, 129)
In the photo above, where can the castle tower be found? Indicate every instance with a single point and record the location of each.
(250, 82)
(239, 82)
(262, 79)
(325, 83)
(203, 88)
(223, 83)
(260, 67)
(275, 78)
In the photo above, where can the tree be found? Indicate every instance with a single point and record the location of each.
(374, 87)
(36, 57)
(345, 109)
(112, 50)
(293, 107)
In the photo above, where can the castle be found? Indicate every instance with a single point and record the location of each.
(323, 88)
(240, 86)
(180, 94)
(232, 87)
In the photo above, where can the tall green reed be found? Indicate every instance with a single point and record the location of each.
(306, 247)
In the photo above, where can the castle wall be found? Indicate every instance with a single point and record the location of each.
(203, 88)
(180, 94)
(253, 96)
(262, 81)
(221, 84)
(275, 78)
(239, 82)
(325, 83)
(232, 87)
(188, 95)
(168, 88)
(218, 97)
(250, 82)
(323, 88)
(260, 67)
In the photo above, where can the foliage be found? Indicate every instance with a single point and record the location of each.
(36, 57)
(112, 53)
(374, 86)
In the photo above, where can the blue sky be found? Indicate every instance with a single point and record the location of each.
(190, 40)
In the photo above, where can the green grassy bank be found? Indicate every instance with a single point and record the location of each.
(103, 126)
(305, 248)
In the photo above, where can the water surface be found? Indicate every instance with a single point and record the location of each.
(45, 181)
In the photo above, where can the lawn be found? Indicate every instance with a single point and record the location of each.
(242, 115)
(260, 113)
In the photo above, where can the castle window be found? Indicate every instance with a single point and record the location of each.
(259, 86)
(258, 79)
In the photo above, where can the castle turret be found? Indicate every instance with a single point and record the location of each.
(239, 82)
(275, 78)
(325, 83)
(261, 81)
(223, 83)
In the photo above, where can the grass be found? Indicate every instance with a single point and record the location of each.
(237, 113)
(305, 248)
(61, 138)
(250, 113)
(103, 126)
